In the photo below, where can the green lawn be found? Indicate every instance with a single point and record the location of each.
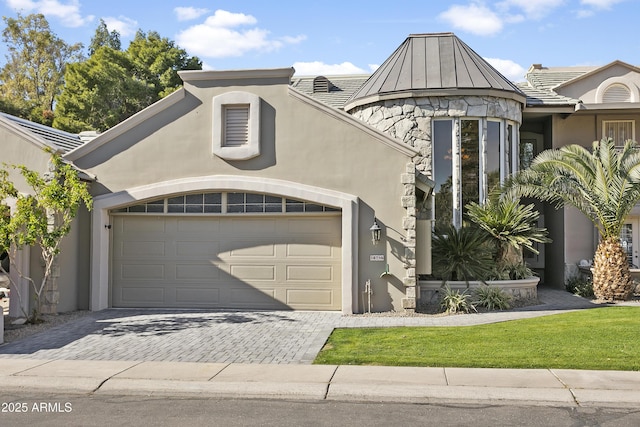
(602, 338)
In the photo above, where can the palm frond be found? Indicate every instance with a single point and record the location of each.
(603, 184)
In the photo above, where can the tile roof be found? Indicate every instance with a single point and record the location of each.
(54, 138)
(340, 88)
(541, 82)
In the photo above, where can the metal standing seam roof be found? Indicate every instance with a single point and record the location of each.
(57, 139)
(438, 61)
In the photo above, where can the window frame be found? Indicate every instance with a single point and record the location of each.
(633, 129)
(508, 158)
(234, 99)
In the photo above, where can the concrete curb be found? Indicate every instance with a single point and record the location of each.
(563, 388)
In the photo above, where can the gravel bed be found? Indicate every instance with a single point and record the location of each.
(17, 332)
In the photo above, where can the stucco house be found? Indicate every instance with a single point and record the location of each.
(260, 189)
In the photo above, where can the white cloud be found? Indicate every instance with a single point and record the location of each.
(189, 13)
(316, 68)
(473, 18)
(535, 9)
(223, 18)
(219, 37)
(373, 67)
(123, 25)
(600, 4)
(67, 12)
(508, 68)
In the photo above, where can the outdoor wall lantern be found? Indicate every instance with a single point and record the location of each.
(375, 231)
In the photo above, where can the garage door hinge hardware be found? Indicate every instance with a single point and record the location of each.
(107, 226)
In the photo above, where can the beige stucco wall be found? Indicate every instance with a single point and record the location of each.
(301, 141)
(580, 237)
(585, 89)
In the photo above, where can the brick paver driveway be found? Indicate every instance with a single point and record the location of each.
(183, 336)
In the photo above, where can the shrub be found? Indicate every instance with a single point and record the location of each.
(513, 271)
(492, 298)
(580, 286)
(461, 254)
(454, 301)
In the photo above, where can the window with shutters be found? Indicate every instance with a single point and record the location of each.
(236, 125)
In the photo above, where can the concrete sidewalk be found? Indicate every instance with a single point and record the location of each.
(556, 387)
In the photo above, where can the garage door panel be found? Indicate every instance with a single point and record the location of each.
(142, 296)
(197, 272)
(310, 250)
(143, 224)
(310, 297)
(142, 248)
(250, 296)
(197, 296)
(190, 248)
(309, 225)
(310, 273)
(256, 227)
(142, 271)
(253, 272)
(247, 248)
(197, 226)
(237, 262)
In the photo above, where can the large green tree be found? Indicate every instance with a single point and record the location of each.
(100, 93)
(112, 85)
(604, 185)
(34, 72)
(157, 60)
(104, 37)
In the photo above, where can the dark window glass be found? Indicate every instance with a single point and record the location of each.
(213, 199)
(255, 198)
(443, 172)
(155, 208)
(194, 199)
(235, 198)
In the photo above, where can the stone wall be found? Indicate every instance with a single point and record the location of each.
(409, 120)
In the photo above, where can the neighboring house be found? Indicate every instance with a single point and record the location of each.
(578, 105)
(24, 143)
(258, 189)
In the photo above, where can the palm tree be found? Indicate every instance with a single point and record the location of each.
(604, 185)
(511, 225)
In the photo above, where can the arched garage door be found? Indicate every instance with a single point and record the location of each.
(235, 258)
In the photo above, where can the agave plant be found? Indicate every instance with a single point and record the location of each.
(604, 185)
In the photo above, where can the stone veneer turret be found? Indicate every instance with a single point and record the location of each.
(409, 120)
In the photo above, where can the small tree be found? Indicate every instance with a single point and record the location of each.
(603, 184)
(40, 219)
(511, 225)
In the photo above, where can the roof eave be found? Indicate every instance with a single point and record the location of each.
(423, 93)
(635, 106)
(126, 125)
(380, 136)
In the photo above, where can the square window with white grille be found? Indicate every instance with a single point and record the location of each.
(619, 130)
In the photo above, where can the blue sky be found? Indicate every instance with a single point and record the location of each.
(353, 36)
